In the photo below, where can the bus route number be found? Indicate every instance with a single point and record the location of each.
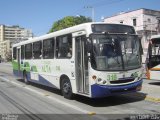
(112, 77)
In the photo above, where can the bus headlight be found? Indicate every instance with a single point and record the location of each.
(94, 77)
(134, 75)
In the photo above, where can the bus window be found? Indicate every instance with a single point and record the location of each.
(22, 52)
(28, 51)
(48, 49)
(37, 46)
(14, 53)
(64, 46)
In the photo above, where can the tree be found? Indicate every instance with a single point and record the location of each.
(68, 21)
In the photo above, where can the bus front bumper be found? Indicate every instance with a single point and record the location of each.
(108, 90)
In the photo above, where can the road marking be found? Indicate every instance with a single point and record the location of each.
(91, 113)
(46, 95)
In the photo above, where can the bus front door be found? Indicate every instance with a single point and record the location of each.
(81, 65)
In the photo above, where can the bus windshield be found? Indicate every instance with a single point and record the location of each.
(115, 52)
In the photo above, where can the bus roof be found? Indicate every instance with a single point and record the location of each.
(81, 27)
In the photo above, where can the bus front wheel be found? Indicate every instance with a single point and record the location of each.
(66, 89)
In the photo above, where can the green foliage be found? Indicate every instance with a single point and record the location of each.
(68, 21)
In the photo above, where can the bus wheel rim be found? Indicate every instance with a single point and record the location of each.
(66, 87)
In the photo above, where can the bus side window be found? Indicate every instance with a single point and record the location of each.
(28, 51)
(37, 46)
(48, 49)
(64, 46)
(14, 53)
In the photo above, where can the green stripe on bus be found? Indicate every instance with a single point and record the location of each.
(27, 66)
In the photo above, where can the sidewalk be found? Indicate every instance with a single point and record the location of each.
(152, 89)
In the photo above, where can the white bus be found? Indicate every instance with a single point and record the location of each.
(153, 58)
(91, 59)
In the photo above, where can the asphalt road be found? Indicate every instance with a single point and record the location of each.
(42, 103)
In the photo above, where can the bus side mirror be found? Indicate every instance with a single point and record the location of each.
(89, 48)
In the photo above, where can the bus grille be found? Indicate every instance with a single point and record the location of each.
(122, 80)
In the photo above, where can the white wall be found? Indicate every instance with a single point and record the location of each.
(127, 18)
(146, 19)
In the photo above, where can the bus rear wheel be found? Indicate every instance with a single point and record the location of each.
(66, 89)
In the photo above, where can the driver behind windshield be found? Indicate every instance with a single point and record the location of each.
(108, 50)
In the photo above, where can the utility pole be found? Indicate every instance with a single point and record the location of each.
(93, 12)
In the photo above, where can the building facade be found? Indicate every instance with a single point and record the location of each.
(10, 35)
(145, 21)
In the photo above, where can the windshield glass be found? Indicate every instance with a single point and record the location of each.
(115, 52)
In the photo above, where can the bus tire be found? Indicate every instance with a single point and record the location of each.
(25, 78)
(66, 89)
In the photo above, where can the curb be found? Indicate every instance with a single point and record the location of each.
(148, 98)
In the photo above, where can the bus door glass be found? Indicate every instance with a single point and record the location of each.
(81, 64)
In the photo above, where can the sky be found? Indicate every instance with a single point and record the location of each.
(39, 15)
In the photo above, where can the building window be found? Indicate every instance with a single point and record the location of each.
(64, 46)
(48, 49)
(37, 50)
(28, 51)
(134, 22)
